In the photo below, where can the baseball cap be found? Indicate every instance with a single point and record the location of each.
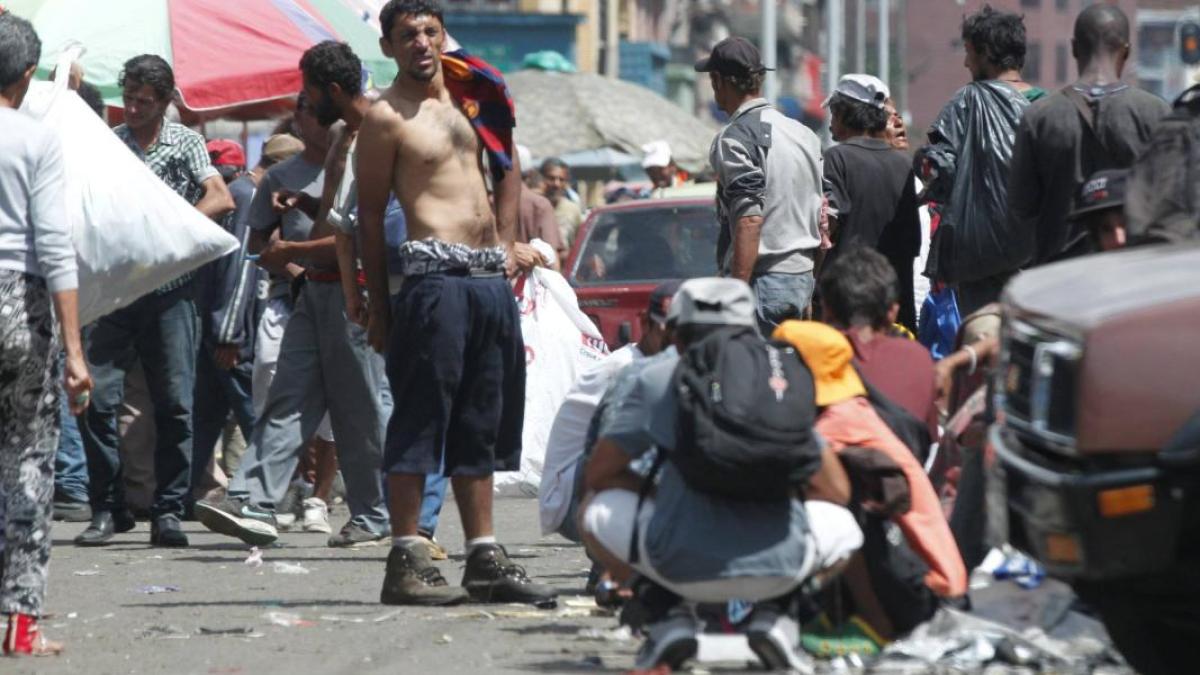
(862, 88)
(661, 301)
(282, 146)
(1102, 190)
(224, 152)
(714, 301)
(656, 153)
(828, 355)
(732, 56)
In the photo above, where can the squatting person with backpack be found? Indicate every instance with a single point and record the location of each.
(748, 503)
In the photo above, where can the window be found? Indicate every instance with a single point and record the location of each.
(1033, 63)
(1061, 59)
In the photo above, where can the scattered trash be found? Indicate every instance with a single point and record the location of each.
(1023, 571)
(444, 640)
(342, 619)
(73, 615)
(152, 590)
(88, 573)
(550, 603)
(287, 620)
(281, 567)
(240, 631)
(592, 662)
(163, 632)
(618, 634)
(387, 615)
(255, 559)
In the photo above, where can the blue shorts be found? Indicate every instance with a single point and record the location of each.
(456, 364)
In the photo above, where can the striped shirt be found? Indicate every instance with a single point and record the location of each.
(178, 157)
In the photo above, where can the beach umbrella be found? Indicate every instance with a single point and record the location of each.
(231, 58)
(560, 113)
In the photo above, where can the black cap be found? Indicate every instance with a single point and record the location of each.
(733, 56)
(660, 300)
(1102, 190)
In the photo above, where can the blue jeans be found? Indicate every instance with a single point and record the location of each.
(162, 331)
(218, 392)
(781, 296)
(435, 483)
(70, 464)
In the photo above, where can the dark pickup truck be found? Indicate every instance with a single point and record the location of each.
(1098, 439)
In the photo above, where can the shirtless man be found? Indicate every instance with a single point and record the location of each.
(456, 360)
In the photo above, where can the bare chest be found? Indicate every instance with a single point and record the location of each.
(436, 134)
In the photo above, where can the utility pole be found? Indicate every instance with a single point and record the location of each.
(769, 49)
(834, 31)
(860, 36)
(612, 39)
(885, 39)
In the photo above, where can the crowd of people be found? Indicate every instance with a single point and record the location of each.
(763, 445)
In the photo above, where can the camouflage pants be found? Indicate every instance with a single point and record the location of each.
(29, 427)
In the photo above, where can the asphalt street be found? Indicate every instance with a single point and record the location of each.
(130, 608)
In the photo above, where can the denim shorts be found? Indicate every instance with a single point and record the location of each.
(456, 364)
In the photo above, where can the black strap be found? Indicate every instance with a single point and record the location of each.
(647, 486)
(1089, 117)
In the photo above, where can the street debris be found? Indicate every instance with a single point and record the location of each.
(153, 590)
(444, 640)
(239, 631)
(287, 620)
(281, 567)
(618, 634)
(255, 559)
(88, 573)
(163, 632)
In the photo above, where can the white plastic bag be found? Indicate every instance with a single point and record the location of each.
(132, 233)
(559, 341)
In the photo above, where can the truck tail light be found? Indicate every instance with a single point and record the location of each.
(1124, 501)
(1062, 548)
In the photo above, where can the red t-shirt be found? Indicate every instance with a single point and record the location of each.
(903, 370)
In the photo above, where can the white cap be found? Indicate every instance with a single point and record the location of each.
(656, 153)
(863, 88)
(524, 157)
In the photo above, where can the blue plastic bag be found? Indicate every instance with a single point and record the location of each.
(939, 324)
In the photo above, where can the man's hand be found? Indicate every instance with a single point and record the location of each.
(284, 200)
(379, 319)
(226, 356)
(823, 226)
(275, 255)
(356, 308)
(522, 258)
(78, 383)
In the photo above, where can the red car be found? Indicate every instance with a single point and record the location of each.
(623, 251)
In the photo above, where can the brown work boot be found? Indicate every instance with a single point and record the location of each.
(492, 577)
(412, 579)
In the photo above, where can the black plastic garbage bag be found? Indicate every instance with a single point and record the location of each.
(965, 169)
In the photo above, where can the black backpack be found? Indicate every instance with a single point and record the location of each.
(745, 417)
(1163, 199)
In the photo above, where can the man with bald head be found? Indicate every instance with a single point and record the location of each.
(1096, 123)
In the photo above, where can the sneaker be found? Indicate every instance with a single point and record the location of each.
(238, 518)
(316, 516)
(412, 579)
(670, 641)
(773, 636)
(285, 521)
(491, 577)
(354, 535)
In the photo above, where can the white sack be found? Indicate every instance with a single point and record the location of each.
(132, 233)
(559, 341)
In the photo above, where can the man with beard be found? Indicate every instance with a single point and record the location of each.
(324, 361)
(456, 360)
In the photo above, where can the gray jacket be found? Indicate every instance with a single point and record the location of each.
(769, 165)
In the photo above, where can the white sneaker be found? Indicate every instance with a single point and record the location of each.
(285, 521)
(671, 641)
(774, 637)
(316, 516)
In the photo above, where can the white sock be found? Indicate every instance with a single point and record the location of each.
(479, 541)
(407, 540)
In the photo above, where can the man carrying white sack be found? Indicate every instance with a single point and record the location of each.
(160, 329)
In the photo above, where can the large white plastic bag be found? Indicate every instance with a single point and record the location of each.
(559, 341)
(131, 232)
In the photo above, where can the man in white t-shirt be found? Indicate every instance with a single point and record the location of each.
(573, 431)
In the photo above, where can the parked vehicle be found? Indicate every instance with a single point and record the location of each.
(1098, 436)
(624, 250)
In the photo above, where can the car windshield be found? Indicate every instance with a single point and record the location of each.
(649, 244)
